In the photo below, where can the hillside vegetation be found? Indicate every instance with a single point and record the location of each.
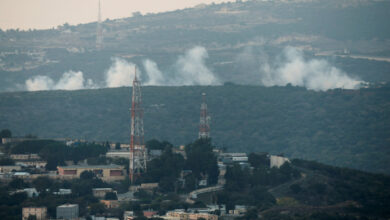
(339, 127)
(228, 31)
(300, 190)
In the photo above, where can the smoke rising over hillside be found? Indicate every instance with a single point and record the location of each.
(190, 69)
(314, 74)
(155, 76)
(70, 80)
(121, 73)
(291, 67)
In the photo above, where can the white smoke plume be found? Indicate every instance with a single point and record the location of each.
(314, 74)
(191, 69)
(155, 76)
(121, 73)
(38, 83)
(291, 67)
(70, 80)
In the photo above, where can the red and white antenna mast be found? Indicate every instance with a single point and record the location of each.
(204, 124)
(137, 147)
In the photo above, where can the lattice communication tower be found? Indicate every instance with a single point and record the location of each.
(138, 154)
(204, 124)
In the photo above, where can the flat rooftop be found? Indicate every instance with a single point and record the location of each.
(68, 205)
(111, 166)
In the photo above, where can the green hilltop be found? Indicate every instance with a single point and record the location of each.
(349, 128)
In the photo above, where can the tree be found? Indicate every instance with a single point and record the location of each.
(32, 217)
(261, 198)
(5, 133)
(6, 161)
(165, 169)
(190, 182)
(154, 144)
(237, 179)
(82, 188)
(17, 183)
(87, 175)
(97, 208)
(208, 165)
(110, 196)
(250, 214)
(258, 160)
(167, 184)
(97, 161)
(295, 188)
(53, 161)
(137, 14)
(42, 183)
(30, 136)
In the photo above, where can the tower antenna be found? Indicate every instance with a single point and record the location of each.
(138, 152)
(204, 124)
(99, 30)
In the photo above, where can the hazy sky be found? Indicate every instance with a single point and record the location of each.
(41, 14)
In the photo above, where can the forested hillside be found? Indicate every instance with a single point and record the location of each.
(339, 127)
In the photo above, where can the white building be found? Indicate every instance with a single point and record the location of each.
(278, 161)
(31, 192)
(233, 157)
(40, 213)
(63, 192)
(118, 154)
(101, 192)
(9, 169)
(68, 211)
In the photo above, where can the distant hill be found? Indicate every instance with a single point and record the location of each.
(321, 28)
(339, 127)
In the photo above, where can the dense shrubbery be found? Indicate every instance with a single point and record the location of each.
(339, 127)
(250, 187)
(166, 169)
(6, 161)
(5, 133)
(332, 185)
(301, 188)
(202, 160)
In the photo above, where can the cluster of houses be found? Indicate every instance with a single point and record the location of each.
(65, 211)
(112, 172)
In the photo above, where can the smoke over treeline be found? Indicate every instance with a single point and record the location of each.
(314, 74)
(190, 69)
